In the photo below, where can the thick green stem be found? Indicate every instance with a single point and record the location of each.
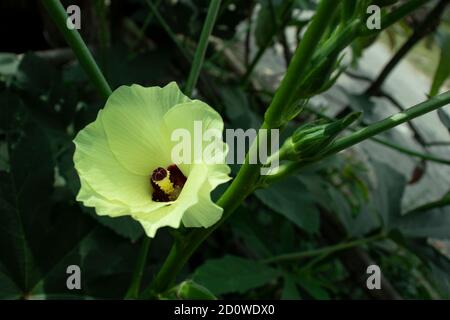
(199, 56)
(133, 290)
(181, 251)
(73, 38)
(322, 251)
(299, 63)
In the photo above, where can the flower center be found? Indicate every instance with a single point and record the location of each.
(167, 183)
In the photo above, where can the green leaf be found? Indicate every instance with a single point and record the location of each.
(438, 264)
(41, 233)
(237, 108)
(290, 291)
(387, 194)
(312, 286)
(291, 199)
(431, 223)
(445, 118)
(125, 226)
(29, 222)
(8, 289)
(443, 70)
(106, 263)
(233, 274)
(265, 27)
(36, 75)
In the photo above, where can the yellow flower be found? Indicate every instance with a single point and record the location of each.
(124, 160)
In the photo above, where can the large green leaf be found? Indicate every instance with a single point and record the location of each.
(433, 223)
(233, 274)
(42, 231)
(30, 223)
(291, 199)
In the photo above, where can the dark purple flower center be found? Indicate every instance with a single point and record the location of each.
(165, 190)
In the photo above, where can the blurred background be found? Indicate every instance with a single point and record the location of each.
(383, 202)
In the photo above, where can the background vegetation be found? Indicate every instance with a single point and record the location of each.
(308, 236)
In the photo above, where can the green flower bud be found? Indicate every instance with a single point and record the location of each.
(193, 291)
(312, 140)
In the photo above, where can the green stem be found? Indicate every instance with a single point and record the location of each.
(299, 63)
(141, 32)
(73, 38)
(367, 133)
(401, 149)
(420, 155)
(390, 122)
(394, 16)
(261, 50)
(167, 28)
(322, 251)
(133, 290)
(181, 251)
(347, 10)
(425, 28)
(199, 56)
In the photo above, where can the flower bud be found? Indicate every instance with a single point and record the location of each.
(312, 140)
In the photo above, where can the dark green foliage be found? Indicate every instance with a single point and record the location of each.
(46, 99)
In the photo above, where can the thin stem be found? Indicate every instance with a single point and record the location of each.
(133, 290)
(322, 251)
(199, 56)
(390, 122)
(401, 149)
(168, 30)
(365, 133)
(261, 50)
(254, 63)
(73, 38)
(394, 16)
(427, 26)
(146, 23)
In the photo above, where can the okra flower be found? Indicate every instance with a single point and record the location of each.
(125, 166)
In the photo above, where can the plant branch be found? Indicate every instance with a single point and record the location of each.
(428, 25)
(401, 149)
(168, 30)
(395, 15)
(73, 38)
(366, 133)
(390, 122)
(322, 251)
(201, 47)
(133, 291)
